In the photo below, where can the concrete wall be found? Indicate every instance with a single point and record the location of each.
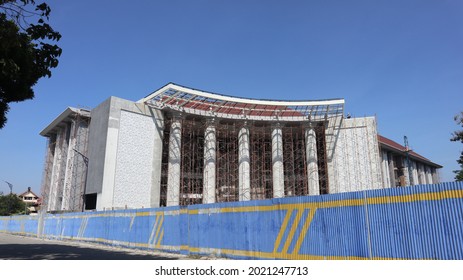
(125, 138)
(97, 138)
(355, 161)
(420, 222)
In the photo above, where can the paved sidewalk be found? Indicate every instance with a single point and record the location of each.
(15, 247)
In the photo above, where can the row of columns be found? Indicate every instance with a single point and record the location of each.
(244, 162)
(421, 174)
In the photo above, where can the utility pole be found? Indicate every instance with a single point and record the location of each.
(9, 198)
(10, 186)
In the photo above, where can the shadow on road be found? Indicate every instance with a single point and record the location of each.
(64, 252)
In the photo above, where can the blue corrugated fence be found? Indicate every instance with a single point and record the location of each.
(419, 222)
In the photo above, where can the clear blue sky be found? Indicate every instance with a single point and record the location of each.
(400, 60)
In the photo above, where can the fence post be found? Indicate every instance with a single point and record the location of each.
(41, 222)
(367, 220)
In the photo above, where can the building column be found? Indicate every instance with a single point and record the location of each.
(48, 172)
(173, 173)
(405, 171)
(428, 175)
(69, 168)
(391, 170)
(277, 162)
(54, 170)
(385, 169)
(312, 162)
(414, 172)
(435, 176)
(423, 175)
(419, 168)
(244, 164)
(209, 178)
(58, 162)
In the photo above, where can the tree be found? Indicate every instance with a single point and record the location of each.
(27, 50)
(11, 204)
(458, 136)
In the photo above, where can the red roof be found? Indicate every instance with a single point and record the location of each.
(234, 108)
(397, 147)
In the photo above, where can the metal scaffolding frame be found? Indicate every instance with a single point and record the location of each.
(200, 103)
(227, 162)
(192, 162)
(197, 108)
(64, 175)
(261, 161)
(295, 161)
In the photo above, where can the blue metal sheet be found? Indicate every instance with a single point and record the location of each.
(420, 222)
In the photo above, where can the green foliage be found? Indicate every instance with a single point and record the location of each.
(458, 136)
(27, 51)
(11, 204)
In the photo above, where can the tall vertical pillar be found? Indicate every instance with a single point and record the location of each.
(418, 171)
(209, 178)
(57, 174)
(67, 186)
(385, 170)
(391, 170)
(435, 176)
(173, 173)
(428, 174)
(312, 162)
(277, 162)
(414, 173)
(405, 171)
(244, 164)
(422, 175)
(54, 170)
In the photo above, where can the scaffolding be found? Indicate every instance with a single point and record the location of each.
(192, 162)
(322, 158)
(295, 161)
(78, 165)
(64, 175)
(230, 115)
(47, 172)
(165, 162)
(227, 162)
(261, 161)
(227, 159)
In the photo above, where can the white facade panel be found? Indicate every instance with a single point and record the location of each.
(134, 163)
(356, 160)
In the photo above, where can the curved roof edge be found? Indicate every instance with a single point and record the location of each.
(223, 97)
(196, 102)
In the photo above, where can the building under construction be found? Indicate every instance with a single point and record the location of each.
(182, 146)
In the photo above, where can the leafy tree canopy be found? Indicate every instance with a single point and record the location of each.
(27, 50)
(458, 136)
(11, 204)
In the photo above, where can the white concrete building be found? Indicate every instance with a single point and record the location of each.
(181, 146)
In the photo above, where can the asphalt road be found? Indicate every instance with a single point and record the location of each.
(14, 247)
